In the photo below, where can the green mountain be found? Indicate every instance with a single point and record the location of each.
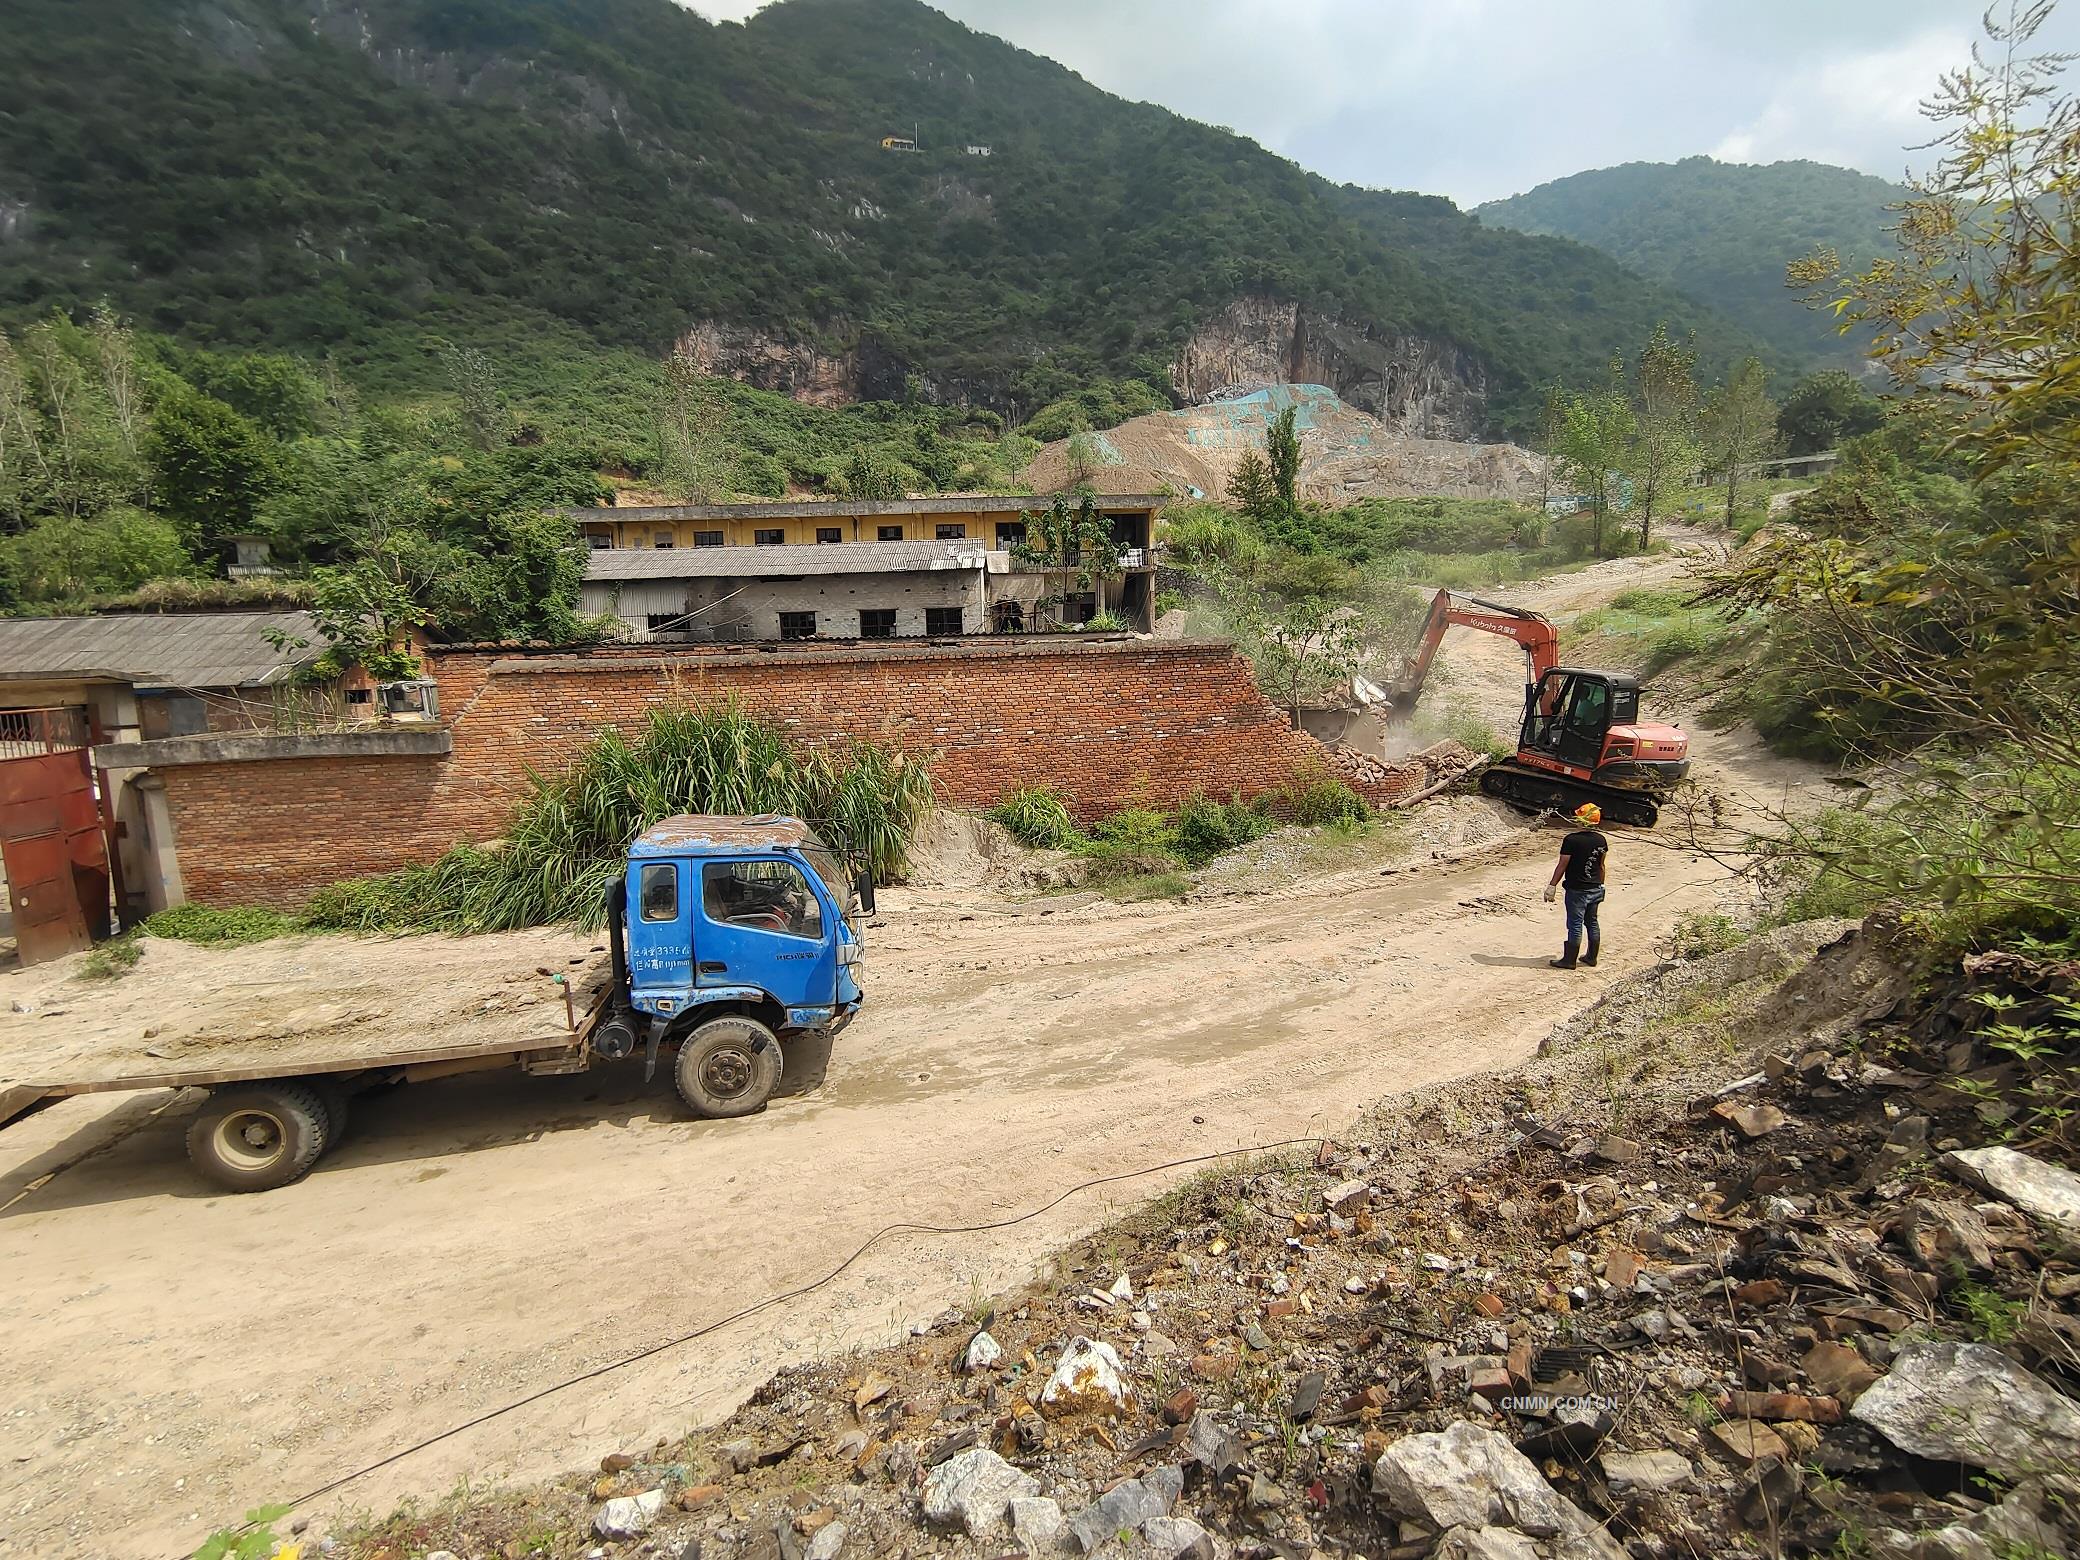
(1722, 233)
(376, 179)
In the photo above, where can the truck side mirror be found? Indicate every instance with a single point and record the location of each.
(863, 887)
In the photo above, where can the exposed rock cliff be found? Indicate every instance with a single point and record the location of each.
(1417, 385)
(794, 368)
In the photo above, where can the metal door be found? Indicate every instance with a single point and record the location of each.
(48, 922)
(51, 834)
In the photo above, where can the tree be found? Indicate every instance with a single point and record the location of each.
(59, 558)
(474, 379)
(1824, 409)
(1084, 456)
(1552, 415)
(866, 475)
(211, 469)
(691, 462)
(1739, 427)
(1929, 623)
(1596, 429)
(1250, 489)
(1301, 638)
(1662, 456)
(1282, 457)
(1074, 546)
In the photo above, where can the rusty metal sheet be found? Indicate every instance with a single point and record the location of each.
(696, 830)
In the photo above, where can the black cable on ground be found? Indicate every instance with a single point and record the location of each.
(906, 1227)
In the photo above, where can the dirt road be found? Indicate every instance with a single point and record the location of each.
(174, 1356)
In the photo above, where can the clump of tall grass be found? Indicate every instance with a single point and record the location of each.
(1038, 817)
(567, 839)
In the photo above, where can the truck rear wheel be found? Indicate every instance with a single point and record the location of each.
(728, 1067)
(254, 1137)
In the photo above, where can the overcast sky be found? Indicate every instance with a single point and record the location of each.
(1478, 99)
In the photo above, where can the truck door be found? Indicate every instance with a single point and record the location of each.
(1588, 719)
(763, 924)
(660, 930)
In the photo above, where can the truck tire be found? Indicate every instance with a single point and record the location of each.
(728, 1067)
(254, 1137)
(333, 1095)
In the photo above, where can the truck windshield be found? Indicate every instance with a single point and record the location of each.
(833, 875)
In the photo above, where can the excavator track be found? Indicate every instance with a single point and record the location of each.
(1534, 790)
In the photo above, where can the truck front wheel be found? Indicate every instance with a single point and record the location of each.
(256, 1136)
(728, 1067)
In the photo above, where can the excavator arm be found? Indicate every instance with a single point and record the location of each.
(1540, 641)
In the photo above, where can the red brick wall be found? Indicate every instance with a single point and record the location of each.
(1106, 723)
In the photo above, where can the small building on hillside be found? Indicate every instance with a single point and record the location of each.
(854, 569)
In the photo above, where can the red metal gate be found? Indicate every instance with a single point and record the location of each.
(51, 835)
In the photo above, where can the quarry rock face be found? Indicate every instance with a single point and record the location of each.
(1417, 386)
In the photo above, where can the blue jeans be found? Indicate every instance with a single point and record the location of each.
(1581, 913)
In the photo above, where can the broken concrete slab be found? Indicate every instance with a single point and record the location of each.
(1176, 1538)
(972, 1491)
(2048, 1191)
(1965, 1402)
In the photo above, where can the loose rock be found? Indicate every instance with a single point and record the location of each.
(1965, 1402)
(628, 1516)
(1088, 1379)
(971, 1491)
(2048, 1191)
(1645, 1473)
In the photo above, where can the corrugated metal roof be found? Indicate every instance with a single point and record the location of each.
(755, 563)
(803, 509)
(160, 650)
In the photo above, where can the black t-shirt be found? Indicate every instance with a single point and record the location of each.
(1584, 850)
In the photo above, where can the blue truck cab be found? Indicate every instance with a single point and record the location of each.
(730, 935)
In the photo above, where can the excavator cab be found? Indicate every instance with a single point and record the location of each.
(1569, 713)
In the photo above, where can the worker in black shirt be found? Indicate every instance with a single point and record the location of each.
(1580, 871)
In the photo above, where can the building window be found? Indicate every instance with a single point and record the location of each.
(707, 538)
(361, 695)
(665, 622)
(1079, 606)
(951, 531)
(888, 533)
(1010, 532)
(600, 541)
(797, 625)
(942, 622)
(829, 533)
(773, 538)
(877, 622)
(662, 539)
(1010, 617)
(660, 892)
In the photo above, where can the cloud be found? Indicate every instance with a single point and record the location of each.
(1477, 99)
(1851, 109)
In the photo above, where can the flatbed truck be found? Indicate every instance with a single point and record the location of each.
(725, 939)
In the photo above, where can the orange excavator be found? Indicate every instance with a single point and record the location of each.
(1581, 739)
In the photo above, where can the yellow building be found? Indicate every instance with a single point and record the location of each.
(865, 568)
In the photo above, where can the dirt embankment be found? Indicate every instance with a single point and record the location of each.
(1345, 453)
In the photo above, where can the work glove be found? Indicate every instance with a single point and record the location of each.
(1552, 892)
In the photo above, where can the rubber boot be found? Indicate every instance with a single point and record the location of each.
(1566, 961)
(1589, 958)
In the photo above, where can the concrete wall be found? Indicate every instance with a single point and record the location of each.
(1106, 722)
(754, 606)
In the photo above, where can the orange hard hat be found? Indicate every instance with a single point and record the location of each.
(1588, 812)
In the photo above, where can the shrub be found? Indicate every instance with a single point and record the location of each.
(1205, 827)
(1698, 933)
(219, 928)
(1319, 802)
(1037, 817)
(564, 843)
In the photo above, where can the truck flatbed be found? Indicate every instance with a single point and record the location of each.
(294, 1007)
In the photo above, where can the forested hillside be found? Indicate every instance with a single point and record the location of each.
(1722, 233)
(537, 178)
